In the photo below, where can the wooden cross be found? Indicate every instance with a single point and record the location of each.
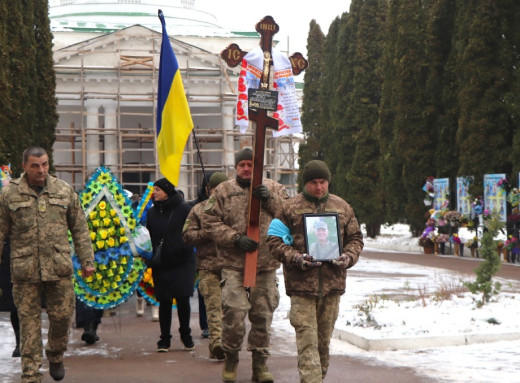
(233, 56)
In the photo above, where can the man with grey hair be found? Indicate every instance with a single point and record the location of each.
(37, 211)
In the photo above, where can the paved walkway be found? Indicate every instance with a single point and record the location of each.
(126, 351)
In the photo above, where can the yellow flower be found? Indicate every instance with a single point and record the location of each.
(95, 223)
(111, 242)
(111, 230)
(103, 234)
(100, 244)
(92, 236)
(117, 221)
(102, 213)
(92, 215)
(121, 231)
(123, 239)
(112, 212)
(102, 205)
(106, 222)
(131, 223)
(99, 276)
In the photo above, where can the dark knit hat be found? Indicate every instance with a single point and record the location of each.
(315, 169)
(216, 178)
(165, 185)
(244, 154)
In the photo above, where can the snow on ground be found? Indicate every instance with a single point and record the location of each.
(391, 293)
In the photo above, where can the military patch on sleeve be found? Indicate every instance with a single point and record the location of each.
(209, 205)
(186, 223)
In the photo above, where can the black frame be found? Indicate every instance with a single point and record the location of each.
(332, 220)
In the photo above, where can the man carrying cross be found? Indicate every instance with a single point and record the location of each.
(225, 221)
(241, 210)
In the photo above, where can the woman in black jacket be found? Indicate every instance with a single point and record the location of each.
(175, 276)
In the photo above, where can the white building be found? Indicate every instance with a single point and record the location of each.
(106, 55)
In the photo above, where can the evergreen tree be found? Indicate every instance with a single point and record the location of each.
(389, 162)
(438, 45)
(412, 139)
(363, 177)
(344, 132)
(486, 128)
(311, 106)
(29, 117)
(46, 116)
(4, 76)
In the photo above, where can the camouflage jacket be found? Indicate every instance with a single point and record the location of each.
(38, 226)
(327, 279)
(226, 218)
(192, 234)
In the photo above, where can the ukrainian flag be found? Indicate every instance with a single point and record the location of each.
(174, 123)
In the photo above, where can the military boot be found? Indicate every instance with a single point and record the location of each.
(229, 373)
(16, 351)
(89, 333)
(260, 372)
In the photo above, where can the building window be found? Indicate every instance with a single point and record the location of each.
(187, 3)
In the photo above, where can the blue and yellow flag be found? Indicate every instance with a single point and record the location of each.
(174, 123)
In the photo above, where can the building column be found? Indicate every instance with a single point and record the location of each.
(111, 147)
(92, 135)
(228, 145)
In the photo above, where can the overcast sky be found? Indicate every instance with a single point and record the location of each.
(293, 17)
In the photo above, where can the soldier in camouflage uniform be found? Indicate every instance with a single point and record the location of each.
(36, 213)
(315, 287)
(208, 266)
(226, 220)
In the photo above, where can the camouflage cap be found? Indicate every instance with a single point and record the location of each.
(216, 178)
(320, 225)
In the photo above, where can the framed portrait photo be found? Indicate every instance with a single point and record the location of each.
(322, 236)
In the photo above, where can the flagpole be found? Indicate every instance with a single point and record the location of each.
(198, 152)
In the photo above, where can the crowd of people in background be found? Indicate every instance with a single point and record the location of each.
(207, 236)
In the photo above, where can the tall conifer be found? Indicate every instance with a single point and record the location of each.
(486, 128)
(30, 117)
(363, 177)
(312, 121)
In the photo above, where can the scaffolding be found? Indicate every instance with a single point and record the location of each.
(118, 74)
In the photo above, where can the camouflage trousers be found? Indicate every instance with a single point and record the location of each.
(259, 303)
(313, 320)
(209, 286)
(59, 302)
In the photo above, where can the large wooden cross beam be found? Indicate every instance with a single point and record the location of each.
(233, 56)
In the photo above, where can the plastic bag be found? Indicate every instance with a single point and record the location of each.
(143, 242)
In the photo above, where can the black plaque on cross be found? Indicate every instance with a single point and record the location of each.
(260, 101)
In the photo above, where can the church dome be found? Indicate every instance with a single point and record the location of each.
(105, 16)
